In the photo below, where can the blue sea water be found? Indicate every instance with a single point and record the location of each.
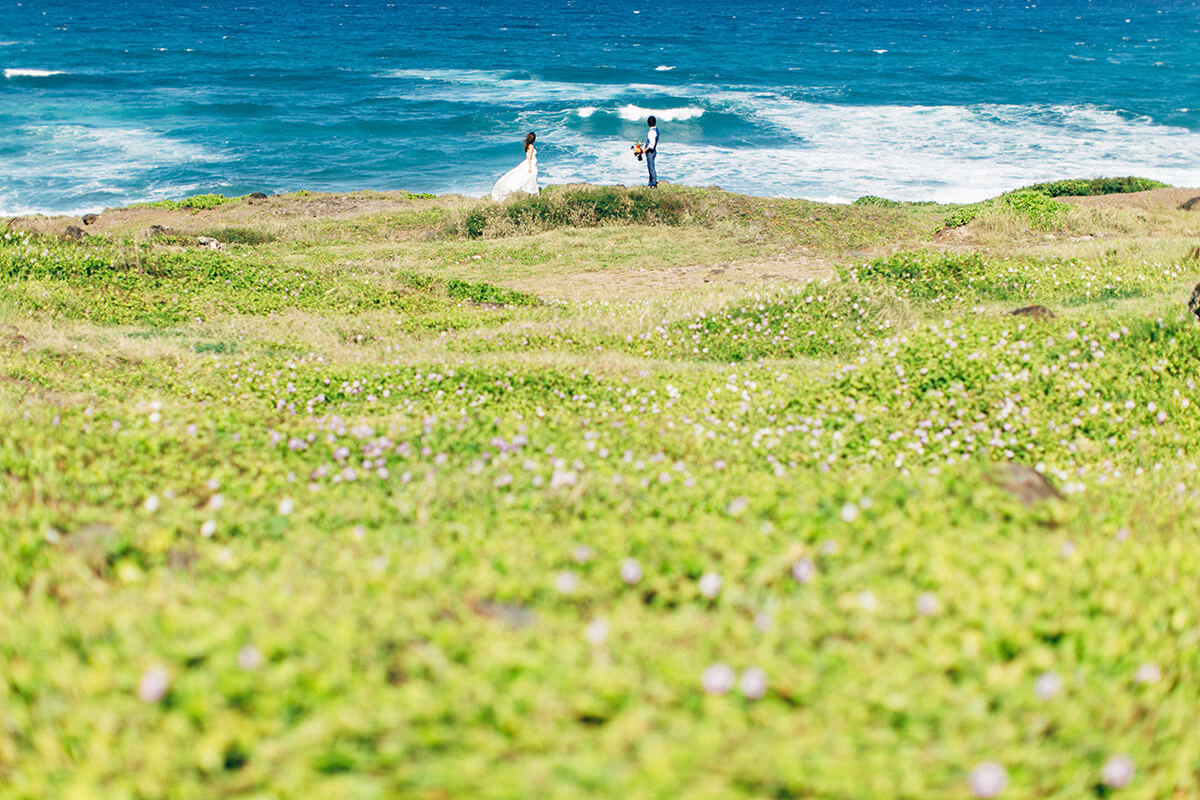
(107, 103)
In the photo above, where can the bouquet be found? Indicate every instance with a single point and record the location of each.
(638, 148)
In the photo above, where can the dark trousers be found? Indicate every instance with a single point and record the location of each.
(650, 166)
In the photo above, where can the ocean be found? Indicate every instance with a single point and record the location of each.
(110, 103)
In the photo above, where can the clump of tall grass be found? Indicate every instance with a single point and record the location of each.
(580, 207)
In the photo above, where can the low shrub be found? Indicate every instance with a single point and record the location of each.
(1040, 209)
(199, 202)
(584, 207)
(962, 216)
(239, 236)
(487, 293)
(467, 290)
(1082, 187)
(872, 200)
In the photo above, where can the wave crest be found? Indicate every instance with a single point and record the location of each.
(633, 113)
(13, 72)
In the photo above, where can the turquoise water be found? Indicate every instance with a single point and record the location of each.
(104, 104)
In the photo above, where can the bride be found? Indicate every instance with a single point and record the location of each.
(521, 178)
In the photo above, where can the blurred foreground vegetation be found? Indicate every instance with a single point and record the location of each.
(379, 499)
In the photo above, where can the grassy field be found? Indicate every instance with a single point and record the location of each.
(606, 493)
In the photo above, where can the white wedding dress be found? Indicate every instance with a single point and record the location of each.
(522, 178)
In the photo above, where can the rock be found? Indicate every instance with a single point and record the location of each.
(1194, 303)
(1029, 486)
(73, 232)
(88, 219)
(515, 615)
(93, 543)
(157, 230)
(209, 242)
(257, 196)
(11, 337)
(1037, 312)
(1191, 205)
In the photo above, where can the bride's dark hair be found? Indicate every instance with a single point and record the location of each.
(530, 139)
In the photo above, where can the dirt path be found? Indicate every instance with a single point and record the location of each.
(1153, 200)
(275, 214)
(644, 283)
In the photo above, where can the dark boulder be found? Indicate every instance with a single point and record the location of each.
(1037, 312)
(88, 219)
(1194, 303)
(257, 196)
(1027, 485)
(73, 232)
(157, 230)
(1191, 205)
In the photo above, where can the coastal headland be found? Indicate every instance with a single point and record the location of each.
(605, 492)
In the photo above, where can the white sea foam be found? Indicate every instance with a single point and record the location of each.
(497, 86)
(944, 153)
(634, 113)
(85, 160)
(31, 73)
(831, 151)
(664, 68)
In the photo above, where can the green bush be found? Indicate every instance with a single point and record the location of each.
(199, 202)
(962, 216)
(487, 293)
(1082, 187)
(585, 207)
(1040, 209)
(872, 200)
(239, 236)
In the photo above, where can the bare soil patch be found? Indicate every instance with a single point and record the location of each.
(651, 281)
(273, 215)
(1153, 200)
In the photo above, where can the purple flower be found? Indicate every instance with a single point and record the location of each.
(1117, 771)
(753, 683)
(804, 570)
(988, 779)
(596, 632)
(249, 657)
(927, 604)
(1047, 685)
(717, 679)
(154, 684)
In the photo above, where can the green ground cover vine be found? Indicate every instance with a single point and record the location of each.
(295, 519)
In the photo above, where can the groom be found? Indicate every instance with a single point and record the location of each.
(651, 149)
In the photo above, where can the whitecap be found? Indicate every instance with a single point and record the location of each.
(586, 111)
(632, 113)
(86, 160)
(835, 153)
(31, 73)
(501, 87)
(663, 68)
